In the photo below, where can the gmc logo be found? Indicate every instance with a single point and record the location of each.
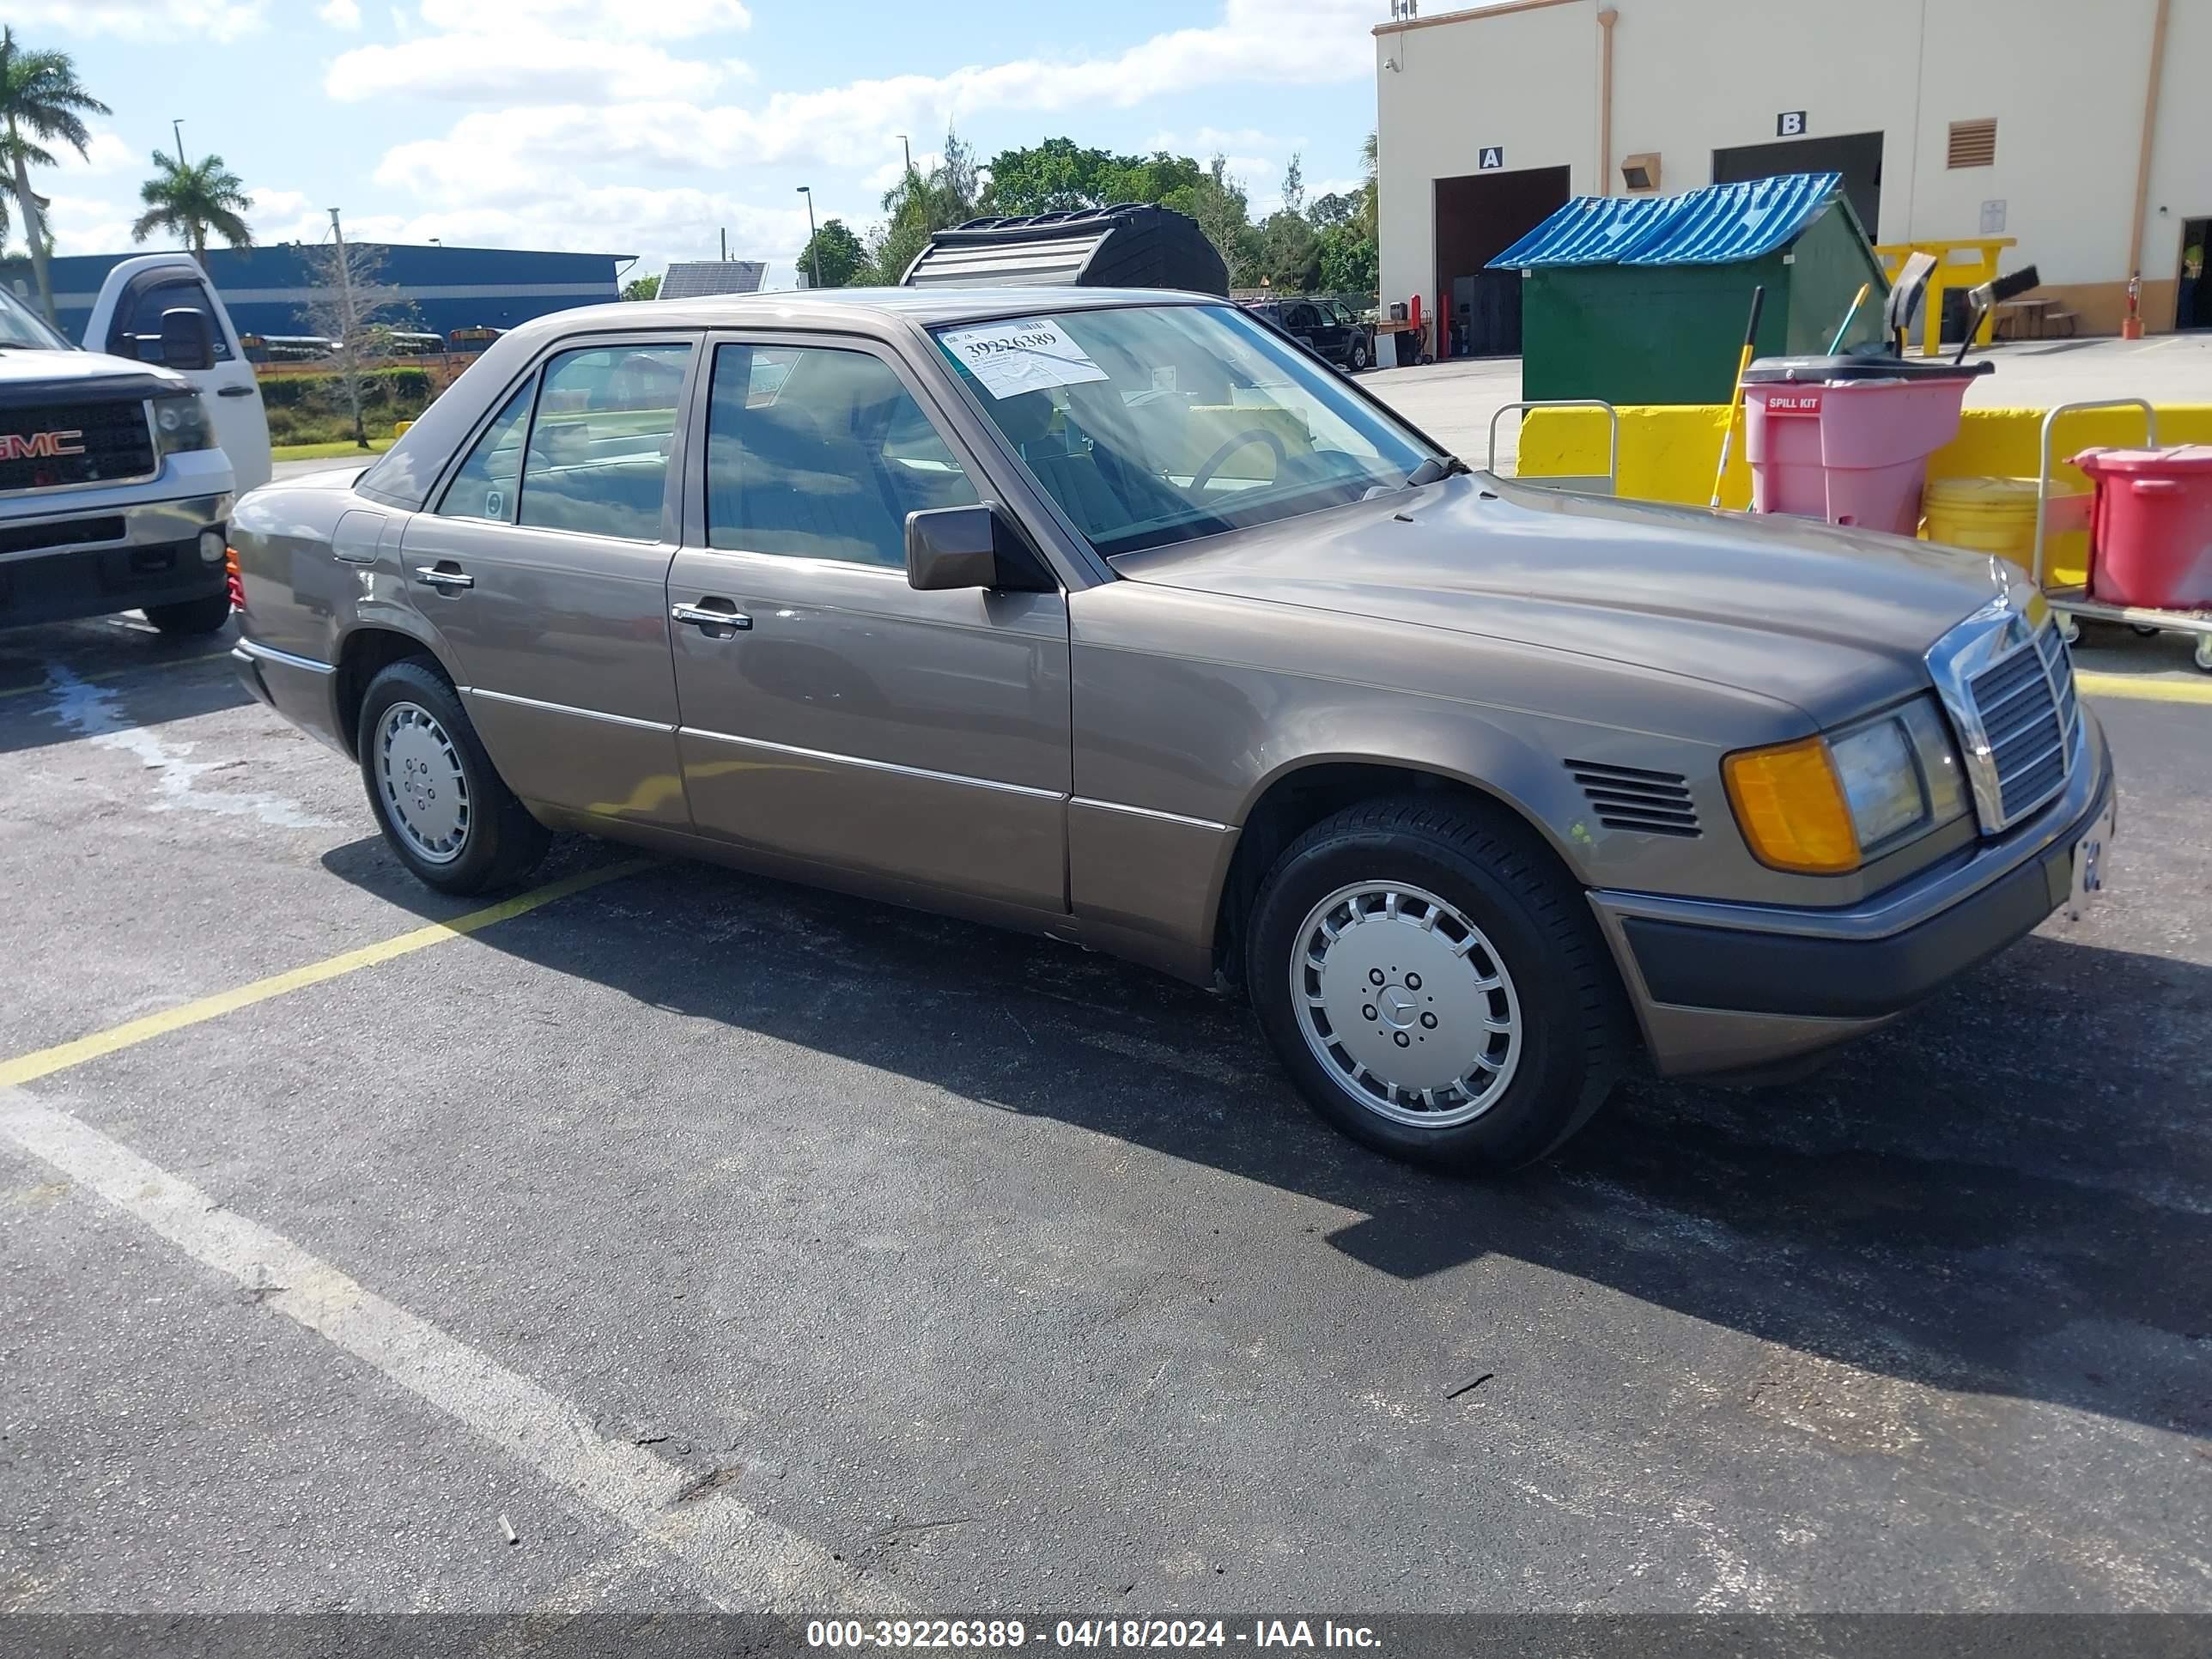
(40, 445)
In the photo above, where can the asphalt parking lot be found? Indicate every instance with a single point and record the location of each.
(728, 1244)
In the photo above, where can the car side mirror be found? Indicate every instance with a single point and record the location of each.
(187, 342)
(978, 546)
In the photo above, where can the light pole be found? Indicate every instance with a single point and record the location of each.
(177, 126)
(813, 246)
(907, 150)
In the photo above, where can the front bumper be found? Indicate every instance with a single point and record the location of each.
(86, 559)
(1721, 988)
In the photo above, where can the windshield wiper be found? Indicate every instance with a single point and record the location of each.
(1434, 469)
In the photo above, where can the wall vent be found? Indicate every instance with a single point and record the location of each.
(1973, 144)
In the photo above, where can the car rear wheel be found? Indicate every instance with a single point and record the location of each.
(440, 803)
(1433, 985)
(205, 616)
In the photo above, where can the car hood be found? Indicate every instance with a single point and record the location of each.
(28, 377)
(1831, 620)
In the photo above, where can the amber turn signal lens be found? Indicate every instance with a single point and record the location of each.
(1791, 807)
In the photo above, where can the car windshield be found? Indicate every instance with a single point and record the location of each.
(1155, 424)
(21, 327)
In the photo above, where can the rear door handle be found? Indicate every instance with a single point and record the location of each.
(445, 575)
(712, 613)
(234, 391)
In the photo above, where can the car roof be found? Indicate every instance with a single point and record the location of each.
(844, 307)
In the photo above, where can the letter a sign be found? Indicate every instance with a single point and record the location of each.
(1491, 158)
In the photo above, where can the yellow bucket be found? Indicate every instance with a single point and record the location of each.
(1997, 516)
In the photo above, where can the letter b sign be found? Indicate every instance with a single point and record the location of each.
(1791, 124)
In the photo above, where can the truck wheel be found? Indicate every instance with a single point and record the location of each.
(205, 616)
(441, 805)
(1435, 988)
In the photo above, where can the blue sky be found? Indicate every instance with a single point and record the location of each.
(644, 126)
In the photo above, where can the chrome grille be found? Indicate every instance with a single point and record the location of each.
(1631, 798)
(2005, 676)
(70, 446)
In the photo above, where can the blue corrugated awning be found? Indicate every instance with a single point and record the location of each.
(1719, 225)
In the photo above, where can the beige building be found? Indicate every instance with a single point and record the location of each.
(2081, 128)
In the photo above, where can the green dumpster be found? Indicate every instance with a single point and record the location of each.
(1643, 299)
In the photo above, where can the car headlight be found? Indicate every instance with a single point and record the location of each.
(1821, 804)
(180, 423)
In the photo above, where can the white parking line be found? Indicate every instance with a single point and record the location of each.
(737, 1557)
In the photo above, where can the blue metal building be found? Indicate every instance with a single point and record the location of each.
(265, 288)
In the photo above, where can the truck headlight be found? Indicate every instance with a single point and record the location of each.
(180, 423)
(1821, 805)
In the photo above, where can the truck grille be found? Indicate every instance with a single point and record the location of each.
(2029, 714)
(65, 444)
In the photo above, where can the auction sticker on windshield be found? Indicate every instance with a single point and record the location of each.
(1031, 354)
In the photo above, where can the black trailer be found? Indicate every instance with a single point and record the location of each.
(1134, 245)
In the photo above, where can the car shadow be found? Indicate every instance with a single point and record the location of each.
(2008, 1192)
(72, 681)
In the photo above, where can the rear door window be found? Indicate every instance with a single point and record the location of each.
(598, 460)
(485, 486)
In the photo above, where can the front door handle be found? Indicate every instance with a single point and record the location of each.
(445, 575)
(712, 613)
(234, 391)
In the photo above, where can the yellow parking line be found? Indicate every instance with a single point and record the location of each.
(47, 1062)
(2141, 686)
(117, 673)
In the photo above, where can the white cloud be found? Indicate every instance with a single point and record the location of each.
(530, 67)
(148, 21)
(88, 224)
(106, 154)
(665, 20)
(341, 14)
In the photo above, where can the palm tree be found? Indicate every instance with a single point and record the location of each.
(39, 100)
(190, 198)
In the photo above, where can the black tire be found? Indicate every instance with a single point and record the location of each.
(501, 843)
(1359, 356)
(1572, 1022)
(205, 616)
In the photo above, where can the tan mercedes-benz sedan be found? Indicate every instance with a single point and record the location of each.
(1116, 617)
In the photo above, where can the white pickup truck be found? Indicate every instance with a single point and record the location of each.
(119, 463)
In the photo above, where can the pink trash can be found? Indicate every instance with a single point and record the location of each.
(1848, 439)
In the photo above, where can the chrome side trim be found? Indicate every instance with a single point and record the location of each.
(866, 764)
(271, 653)
(567, 708)
(1148, 812)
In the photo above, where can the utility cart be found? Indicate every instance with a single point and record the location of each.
(2057, 515)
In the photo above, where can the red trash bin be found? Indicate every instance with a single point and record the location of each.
(2150, 526)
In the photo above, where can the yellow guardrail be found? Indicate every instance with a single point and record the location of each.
(1668, 451)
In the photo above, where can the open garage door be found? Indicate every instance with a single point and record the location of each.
(1857, 155)
(1479, 216)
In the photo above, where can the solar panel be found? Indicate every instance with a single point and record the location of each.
(697, 279)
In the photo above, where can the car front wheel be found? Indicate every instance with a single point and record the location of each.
(1359, 355)
(1434, 986)
(442, 807)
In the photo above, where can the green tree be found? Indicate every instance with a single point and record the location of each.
(1223, 210)
(41, 102)
(1369, 168)
(835, 253)
(188, 199)
(641, 287)
(1348, 261)
(920, 204)
(1059, 176)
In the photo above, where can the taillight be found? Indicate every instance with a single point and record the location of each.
(232, 581)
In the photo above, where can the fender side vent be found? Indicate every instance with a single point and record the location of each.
(1630, 798)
